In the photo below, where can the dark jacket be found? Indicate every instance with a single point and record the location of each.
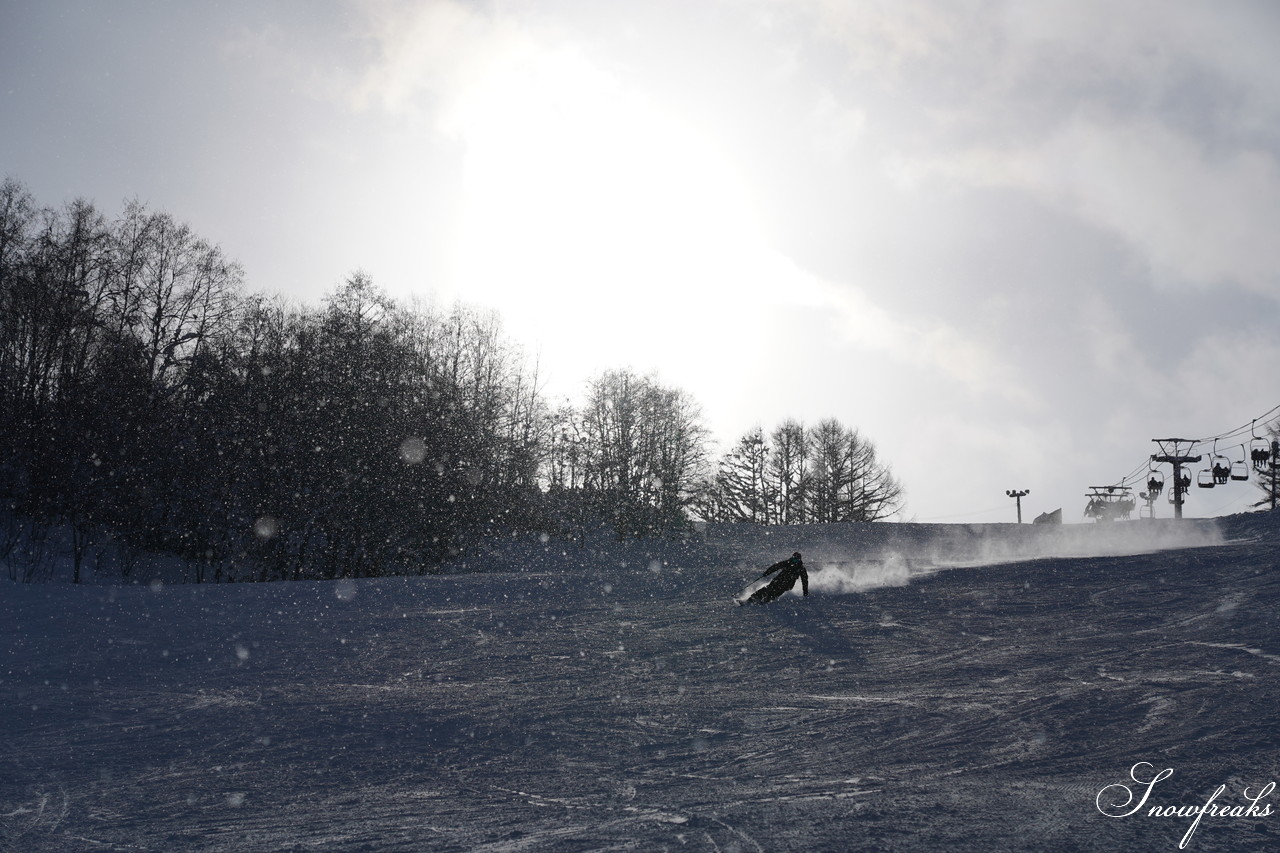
(788, 570)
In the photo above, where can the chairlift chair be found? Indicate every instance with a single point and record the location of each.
(1205, 479)
(1240, 470)
(1259, 448)
(1107, 503)
(1221, 466)
(1259, 453)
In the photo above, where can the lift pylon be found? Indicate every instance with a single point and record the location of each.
(1173, 452)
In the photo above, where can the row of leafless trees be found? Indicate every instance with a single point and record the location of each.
(148, 402)
(801, 475)
(635, 451)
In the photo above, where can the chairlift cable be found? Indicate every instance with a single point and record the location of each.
(1138, 473)
(1239, 430)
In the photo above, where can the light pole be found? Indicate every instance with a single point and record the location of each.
(1018, 494)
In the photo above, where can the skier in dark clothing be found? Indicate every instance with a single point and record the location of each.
(788, 571)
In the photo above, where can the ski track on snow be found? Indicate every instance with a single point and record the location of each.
(630, 708)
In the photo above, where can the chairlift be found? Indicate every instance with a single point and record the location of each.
(1109, 503)
(1150, 496)
(1206, 480)
(1259, 450)
(1240, 470)
(1221, 467)
(1259, 453)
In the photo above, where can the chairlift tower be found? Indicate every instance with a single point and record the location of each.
(1275, 467)
(1171, 452)
(1018, 494)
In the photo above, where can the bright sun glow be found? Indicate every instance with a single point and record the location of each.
(586, 206)
(602, 227)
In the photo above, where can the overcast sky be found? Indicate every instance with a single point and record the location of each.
(1009, 241)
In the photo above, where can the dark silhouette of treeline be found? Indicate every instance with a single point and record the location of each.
(150, 404)
(801, 474)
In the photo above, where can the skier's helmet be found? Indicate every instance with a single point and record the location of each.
(796, 555)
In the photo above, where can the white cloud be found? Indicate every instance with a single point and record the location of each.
(893, 38)
(446, 61)
(581, 196)
(1195, 216)
(930, 344)
(1229, 376)
(1160, 127)
(835, 128)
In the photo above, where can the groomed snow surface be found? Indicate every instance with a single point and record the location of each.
(943, 688)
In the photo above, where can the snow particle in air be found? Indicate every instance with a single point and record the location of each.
(345, 589)
(413, 451)
(242, 652)
(235, 799)
(266, 527)
(156, 584)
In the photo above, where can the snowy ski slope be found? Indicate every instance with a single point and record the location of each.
(944, 688)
